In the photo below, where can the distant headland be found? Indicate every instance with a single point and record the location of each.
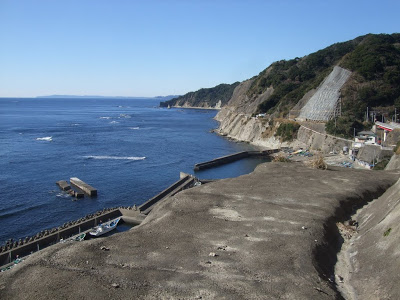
(108, 97)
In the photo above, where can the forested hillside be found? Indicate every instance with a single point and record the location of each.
(375, 81)
(209, 97)
(374, 84)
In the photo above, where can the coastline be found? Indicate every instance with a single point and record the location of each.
(261, 234)
(195, 107)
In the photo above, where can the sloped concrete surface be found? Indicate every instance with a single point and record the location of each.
(322, 104)
(266, 235)
(370, 260)
(394, 163)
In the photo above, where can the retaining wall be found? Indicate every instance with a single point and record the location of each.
(53, 238)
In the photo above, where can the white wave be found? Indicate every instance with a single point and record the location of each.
(125, 116)
(46, 138)
(134, 128)
(107, 118)
(114, 122)
(62, 195)
(114, 157)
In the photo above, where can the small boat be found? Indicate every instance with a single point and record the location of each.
(105, 227)
(80, 237)
(77, 238)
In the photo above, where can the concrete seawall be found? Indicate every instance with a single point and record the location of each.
(183, 183)
(51, 238)
(231, 158)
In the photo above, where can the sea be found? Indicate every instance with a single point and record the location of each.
(129, 149)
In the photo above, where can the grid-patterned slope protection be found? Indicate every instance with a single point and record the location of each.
(322, 106)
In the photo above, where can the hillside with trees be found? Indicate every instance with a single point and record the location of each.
(373, 86)
(207, 97)
(375, 81)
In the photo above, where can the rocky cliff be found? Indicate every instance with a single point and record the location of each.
(261, 132)
(333, 86)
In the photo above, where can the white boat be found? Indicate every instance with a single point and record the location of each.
(105, 227)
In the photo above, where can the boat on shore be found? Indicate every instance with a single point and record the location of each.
(77, 238)
(105, 227)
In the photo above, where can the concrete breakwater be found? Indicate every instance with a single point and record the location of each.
(63, 185)
(231, 158)
(88, 189)
(132, 215)
(185, 182)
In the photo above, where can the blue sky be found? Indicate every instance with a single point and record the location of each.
(151, 48)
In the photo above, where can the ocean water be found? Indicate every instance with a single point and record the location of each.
(129, 149)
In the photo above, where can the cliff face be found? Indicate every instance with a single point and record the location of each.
(238, 121)
(259, 132)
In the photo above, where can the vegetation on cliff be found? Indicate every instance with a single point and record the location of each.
(208, 97)
(292, 79)
(373, 86)
(287, 131)
(374, 83)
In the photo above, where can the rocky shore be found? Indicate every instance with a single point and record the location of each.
(271, 234)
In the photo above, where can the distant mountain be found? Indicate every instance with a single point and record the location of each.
(166, 98)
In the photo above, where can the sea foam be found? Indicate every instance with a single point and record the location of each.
(125, 116)
(46, 138)
(114, 157)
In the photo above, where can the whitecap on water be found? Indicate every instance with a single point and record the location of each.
(134, 128)
(46, 138)
(63, 195)
(125, 116)
(107, 118)
(114, 122)
(114, 157)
